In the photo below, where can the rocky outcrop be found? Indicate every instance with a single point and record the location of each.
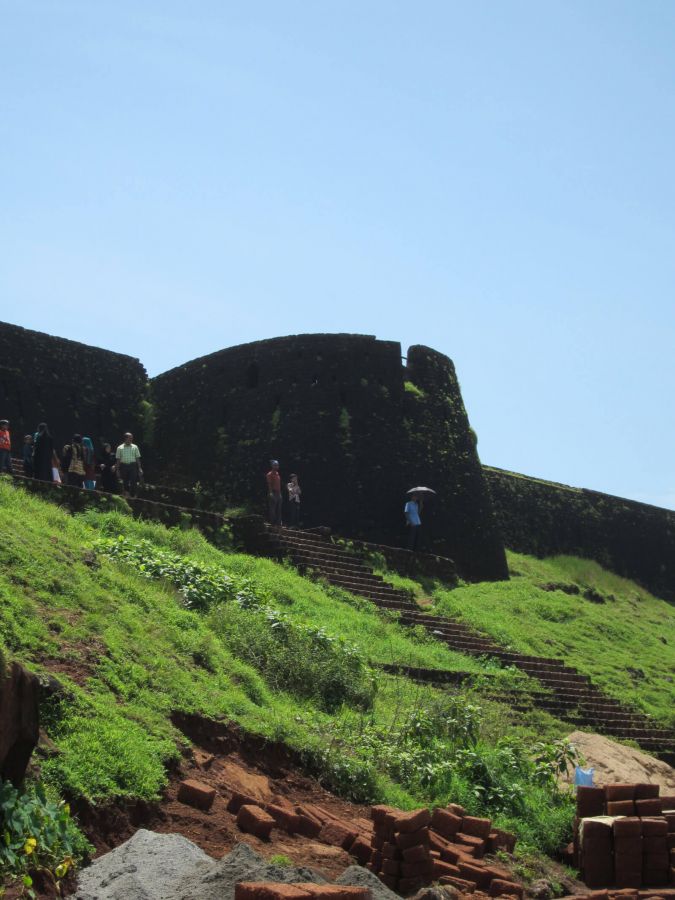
(19, 721)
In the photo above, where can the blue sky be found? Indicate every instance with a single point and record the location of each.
(492, 179)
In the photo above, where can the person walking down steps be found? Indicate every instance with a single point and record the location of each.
(128, 458)
(274, 493)
(89, 463)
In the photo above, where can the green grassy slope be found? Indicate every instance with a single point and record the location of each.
(606, 626)
(130, 653)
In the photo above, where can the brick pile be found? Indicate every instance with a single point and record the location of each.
(270, 890)
(401, 852)
(406, 850)
(624, 837)
(310, 820)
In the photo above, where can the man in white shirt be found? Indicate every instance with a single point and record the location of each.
(128, 458)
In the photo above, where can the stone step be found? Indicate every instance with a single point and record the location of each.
(357, 585)
(308, 541)
(339, 571)
(383, 601)
(394, 605)
(315, 557)
(618, 722)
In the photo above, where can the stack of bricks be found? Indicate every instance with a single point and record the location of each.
(271, 890)
(625, 836)
(401, 850)
(413, 849)
(407, 850)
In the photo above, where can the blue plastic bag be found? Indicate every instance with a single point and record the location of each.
(583, 777)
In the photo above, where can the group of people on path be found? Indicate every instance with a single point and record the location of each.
(77, 464)
(83, 468)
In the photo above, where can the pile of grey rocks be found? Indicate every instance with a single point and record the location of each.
(153, 866)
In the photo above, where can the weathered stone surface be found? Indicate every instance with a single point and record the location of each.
(71, 386)
(544, 518)
(335, 409)
(19, 721)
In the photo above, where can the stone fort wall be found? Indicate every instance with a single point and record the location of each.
(71, 386)
(543, 518)
(357, 425)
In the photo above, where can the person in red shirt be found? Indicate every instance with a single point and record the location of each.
(5, 448)
(274, 493)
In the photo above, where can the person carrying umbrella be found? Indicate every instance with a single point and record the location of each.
(412, 511)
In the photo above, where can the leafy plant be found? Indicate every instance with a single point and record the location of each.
(552, 760)
(200, 586)
(37, 835)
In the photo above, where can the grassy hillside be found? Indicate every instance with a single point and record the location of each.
(606, 626)
(138, 621)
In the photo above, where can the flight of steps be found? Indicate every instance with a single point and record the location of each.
(309, 550)
(568, 694)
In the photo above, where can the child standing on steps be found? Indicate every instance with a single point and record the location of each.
(294, 491)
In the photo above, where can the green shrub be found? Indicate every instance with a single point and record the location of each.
(37, 834)
(200, 586)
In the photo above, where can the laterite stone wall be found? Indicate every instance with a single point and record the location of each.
(71, 386)
(543, 518)
(336, 410)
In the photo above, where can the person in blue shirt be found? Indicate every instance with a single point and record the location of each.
(412, 520)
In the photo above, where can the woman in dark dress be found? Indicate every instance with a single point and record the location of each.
(107, 462)
(73, 462)
(43, 452)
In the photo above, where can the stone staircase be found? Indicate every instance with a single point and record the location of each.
(566, 694)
